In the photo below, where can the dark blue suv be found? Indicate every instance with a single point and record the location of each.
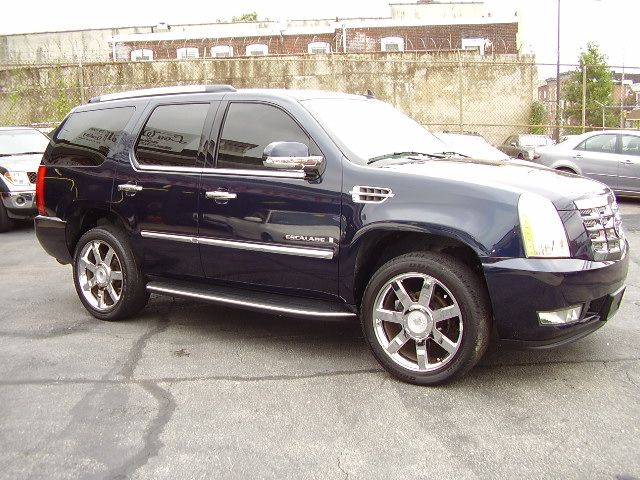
(326, 205)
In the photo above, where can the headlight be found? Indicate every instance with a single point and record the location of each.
(20, 179)
(543, 233)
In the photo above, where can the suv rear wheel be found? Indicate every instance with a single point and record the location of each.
(106, 276)
(426, 318)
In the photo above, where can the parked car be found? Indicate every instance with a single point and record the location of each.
(524, 146)
(156, 191)
(21, 150)
(609, 156)
(471, 144)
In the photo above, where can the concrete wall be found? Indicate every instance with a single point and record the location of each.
(450, 91)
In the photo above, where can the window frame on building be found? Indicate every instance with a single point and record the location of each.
(313, 48)
(249, 49)
(187, 53)
(140, 54)
(387, 41)
(225, 50)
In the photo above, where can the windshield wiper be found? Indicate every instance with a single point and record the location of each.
(401, 155)
(411, 155)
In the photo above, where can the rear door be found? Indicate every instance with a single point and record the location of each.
(157, 192)
(262, 228)
(629, 166)
(597, 157)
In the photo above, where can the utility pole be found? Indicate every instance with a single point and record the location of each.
(557, 129)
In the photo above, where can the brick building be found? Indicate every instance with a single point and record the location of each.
(486, 35)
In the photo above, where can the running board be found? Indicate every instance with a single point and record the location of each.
(252, 300)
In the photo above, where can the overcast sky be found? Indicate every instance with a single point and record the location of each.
(608, 22)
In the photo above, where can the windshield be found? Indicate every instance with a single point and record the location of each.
(534, 140)
(366, 129)
(21, 141)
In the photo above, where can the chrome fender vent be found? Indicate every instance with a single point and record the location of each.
(361, 194)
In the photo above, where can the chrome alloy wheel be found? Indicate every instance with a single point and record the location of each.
(99, 274)
(417, 322)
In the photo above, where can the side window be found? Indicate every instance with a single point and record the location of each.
(85, 138)
(599, 143)
(249, 128)
(171, 136)
(630, 145)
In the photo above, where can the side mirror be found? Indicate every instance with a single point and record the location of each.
(513, 144)
(292, 156)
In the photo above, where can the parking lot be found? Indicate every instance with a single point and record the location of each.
(191, 390)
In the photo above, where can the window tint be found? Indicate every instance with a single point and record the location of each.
(599, 143)
(85, 138)
(171, 136)
(249, 128)
(630, 145)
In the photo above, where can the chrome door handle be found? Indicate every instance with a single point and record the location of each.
(129, 188)
(220, 195)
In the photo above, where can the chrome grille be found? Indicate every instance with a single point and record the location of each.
(32, 176)
(602, 222)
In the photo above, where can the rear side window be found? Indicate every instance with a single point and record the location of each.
(249, 128)
(599, 143)
(85, 138)
(171, 136)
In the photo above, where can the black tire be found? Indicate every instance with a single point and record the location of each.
(121, 273)
(520, 156)
(6, 223)
(455, 285)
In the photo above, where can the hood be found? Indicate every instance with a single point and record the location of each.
(517, 177)
(21, 163)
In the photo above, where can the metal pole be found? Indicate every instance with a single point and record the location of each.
(584, 97)
(460, 86)
(623, 91)
(557, 130)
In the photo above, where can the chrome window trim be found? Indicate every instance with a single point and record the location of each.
(260, 306)
(299, 174)
(168, 236)
(322, 253)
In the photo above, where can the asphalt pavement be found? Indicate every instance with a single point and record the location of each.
(191, 390)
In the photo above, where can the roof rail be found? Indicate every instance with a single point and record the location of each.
(149, 92)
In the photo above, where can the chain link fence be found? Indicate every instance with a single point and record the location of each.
(492, 95)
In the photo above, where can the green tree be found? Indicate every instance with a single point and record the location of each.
(537, 118)
(246, 17)
(599, 90)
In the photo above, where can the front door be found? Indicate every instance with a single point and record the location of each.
(598, 158)
(629, 166)
(262, 228)
(158, 192)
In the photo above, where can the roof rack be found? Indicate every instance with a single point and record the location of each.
(149, 92)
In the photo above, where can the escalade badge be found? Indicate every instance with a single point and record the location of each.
(309, 238)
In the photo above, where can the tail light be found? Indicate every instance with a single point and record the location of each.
(42, 172)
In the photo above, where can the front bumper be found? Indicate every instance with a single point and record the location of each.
(519, 288)
(20, 205)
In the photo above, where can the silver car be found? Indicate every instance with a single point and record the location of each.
(524, 146)
(610, 156)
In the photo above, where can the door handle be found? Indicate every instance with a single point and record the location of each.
(220, 195)
(129, 188)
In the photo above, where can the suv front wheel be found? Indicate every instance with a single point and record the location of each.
(106, 276)
(426, 317)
